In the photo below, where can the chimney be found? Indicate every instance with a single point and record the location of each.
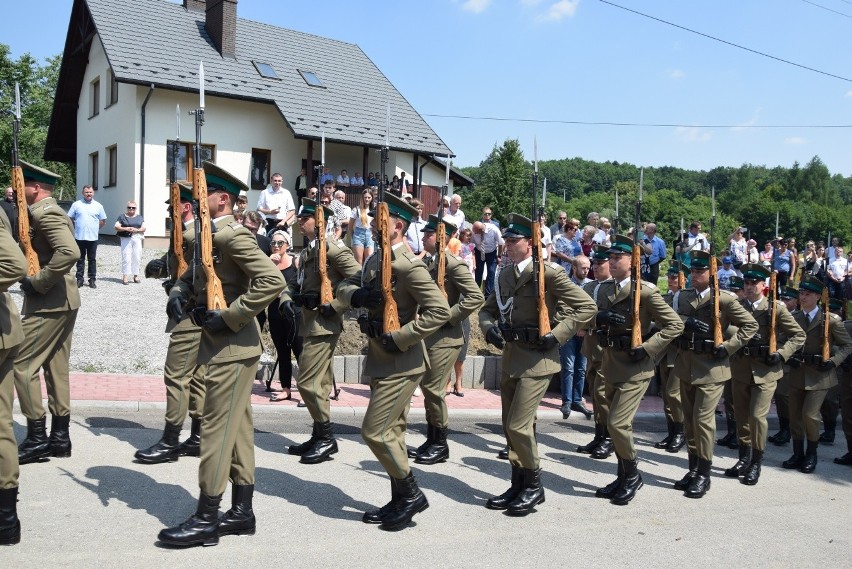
(195, 5)
(221, 24)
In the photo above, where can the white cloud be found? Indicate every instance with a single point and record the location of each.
(750, 122)
(559, 10)
(677, 73)
(849, 93)
(531, 2)
(795, 140)
(693, 134)
(475, 6)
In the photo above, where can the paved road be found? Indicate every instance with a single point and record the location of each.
(100, 508)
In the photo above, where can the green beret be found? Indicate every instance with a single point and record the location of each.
(621, 244)
(398, 207)
(33, 173)
(735, 283)
(219, 179)
(755, 271)
(812, 284)
(676, 267)
(185, 193)
(517, 226)
(432, 225)
(787, 293)
(699, 259)
(600, 252)
(309, 208)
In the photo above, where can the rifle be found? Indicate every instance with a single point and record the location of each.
(537, 258)
(320, 260)
(714, 278)
(204, 243)
(826, 317)
(635, 268)
(773, 311)
(441, 236)
(20, 193)
(681, 278)
(390, 316)
(177, 223)
(615, 222)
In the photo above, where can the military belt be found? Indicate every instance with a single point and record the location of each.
(697, 345)
(372, 328)
(756, 351)
(528, 335)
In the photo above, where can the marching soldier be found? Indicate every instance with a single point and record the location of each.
(443, 347)
(183, 377)
(790, 297)
(736, 286)
(396, 361)
(844, 376)
(669, 383)
(509, 320)
(811, 376)
(321, 328)
(51, 301)
(230, 348)
(831, 405)
(703, 367)
(627, 370)
(13, 267)
(756, 370)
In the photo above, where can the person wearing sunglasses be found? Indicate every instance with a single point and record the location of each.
(130, 227)
(284, 331)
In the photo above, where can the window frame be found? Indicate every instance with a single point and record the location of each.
(112, 88)
(187, 146)
(95, 97)
(111, 153)
(318, 84)
(94, 169)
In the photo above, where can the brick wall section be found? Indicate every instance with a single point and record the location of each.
(221, 24)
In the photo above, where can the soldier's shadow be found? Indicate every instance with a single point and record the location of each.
(131, 432)
(326, 500)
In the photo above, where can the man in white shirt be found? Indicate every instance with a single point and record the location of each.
(343, 179)
(489, 246)
(837, 270)
(454, 214)
(831, 252)
(725, 273)
(695, 239)
(276, 205)
(342, 212)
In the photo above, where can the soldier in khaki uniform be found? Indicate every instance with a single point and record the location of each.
(396, 361)
(51, 301)
(13, 267)
(321, 328)
(790, 297)
(510, 321)
(627, 371)
(230, 348)
(443, 347)
(844, 378)
(703, 368)
(755, 372)
(811, 376)
(669, 384)
(183, 377)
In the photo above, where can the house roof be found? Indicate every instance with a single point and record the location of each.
(161, 43)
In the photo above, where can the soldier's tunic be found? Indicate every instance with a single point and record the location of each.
(669, 383)
(394, 376)
(526, 369)
(844, 378)
(249, 283)
(594, 354)
(49, 314)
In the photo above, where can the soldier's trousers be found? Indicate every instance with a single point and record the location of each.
(830, 407)
(47, 344)
(385, 420)
(804, 413)
(845, 379)
(434, 384)
(782, 398)
(699, 416)
(751, 407)
(227, 443)
(184, 379)
(597, 388)
(520, 398)
(728, 401)
(8, 447)
(670, 386)
(624, 399)
(316, 375)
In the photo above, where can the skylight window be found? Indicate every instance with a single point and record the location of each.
(265, 70)
(311, 79)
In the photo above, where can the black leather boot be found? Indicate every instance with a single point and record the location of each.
(846, 459)
(410, 501)
(683, 483)
(201, 528)
(827, 436)
(430, 438)
(530, 495)
(302, 448)
(632, 483)
(324, 446)
(678, 439)
(604, 449)
(782, 437)
(239, 520)
(377, 516)
(599, 437)
(738, 469)
(699, 485)
(10, 525)
(730, 439)
(502, 501)
(610, 489)
(164, 450)
(36, 446)
(665, 442)
(438, 451)
(795, 461)
(60, 440)
(752, 472)
(810, 461)
(192, 445)
(503, 454)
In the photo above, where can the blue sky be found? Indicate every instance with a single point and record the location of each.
(533, 61)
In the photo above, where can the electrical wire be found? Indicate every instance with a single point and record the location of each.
(827, 9)
(631, 124)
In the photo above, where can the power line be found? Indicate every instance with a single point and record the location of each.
(827, 9)
(787, 61)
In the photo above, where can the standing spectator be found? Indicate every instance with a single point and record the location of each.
(454, 214)
(559, 227)
(301, 185)
(831, 252)
(130, 227)
(467, 249)
(342, 212)
(815, 262)
(362, 235)
(738, 245)
(572, 360)
(253, 221)
(11, 208)
(565, 247)
(414, 234)
(403, 184)
(588, 240)
(546, 237)
(837, 271)
(782, 262)
(356, 181)
(242, 205)
(343, 179)
(767, 254)
(695, 239)
(88, 216)
(658, 253)
(488, 217)
(276, 205)
(325, 176)
(752, 254)
(284, 331)
(725, 273)
(605, 231)
(489, 244)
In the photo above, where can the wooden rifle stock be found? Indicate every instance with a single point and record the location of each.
(681, 280)
(635, 267)
(24, 221)
(773, 311)
(390, 317)
(826, 317)
(538, 275)
(441, 255)
(325, 293)
(215, 293)
(177, 230)
(717, 320)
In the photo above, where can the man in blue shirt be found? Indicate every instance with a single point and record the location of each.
(657, 254)
(88, 216)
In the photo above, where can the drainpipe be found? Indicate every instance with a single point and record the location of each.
(142, 152)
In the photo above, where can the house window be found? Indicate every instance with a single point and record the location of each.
(265, 70)
(112, 88)
(311, 79)
(260, 160)
(112, 166)
(185, 158)
(93, 170)
(95, 97)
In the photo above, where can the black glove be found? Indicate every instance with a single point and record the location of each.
(309, 300)
(794, 362)
(388, 344)
(214, 321)
(638, 354)
(609, 318)
(827, 365)
(327, 310)
(774, 359)
(547, 342)
(174, 308)
(720, 353)
(27, 286)
(366, 297)
(697, 325)
(168, 284)
(756, 338)
(287, 310)
(495, 338)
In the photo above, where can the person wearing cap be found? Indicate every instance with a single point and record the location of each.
(13, 268)
(321, 327)
(790, 298)
(510, 321)
(183, 377)
(703, 367)
(626, 369)
(230, 348)
(444, 346)
(276, 205)
(725, 273)
(396, 360)
(736, 286)
(755, 372)
(844, 378)
(669, 383)
(831, 405)
(811, 376)
(51, 302)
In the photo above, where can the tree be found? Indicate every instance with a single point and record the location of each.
(506, 183)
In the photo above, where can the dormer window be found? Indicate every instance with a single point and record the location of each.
(311, 79)
(266, 71)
